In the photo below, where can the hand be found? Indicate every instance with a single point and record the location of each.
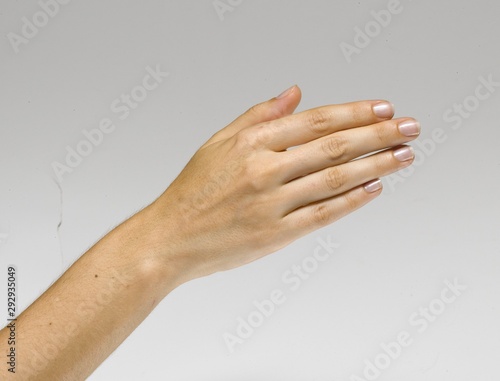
(246, 193)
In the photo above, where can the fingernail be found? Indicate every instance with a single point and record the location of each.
(373, 186)
(286, 93)
(409, 128)
(383, 109)
(404, 153)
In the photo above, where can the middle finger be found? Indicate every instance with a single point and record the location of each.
(343, 146)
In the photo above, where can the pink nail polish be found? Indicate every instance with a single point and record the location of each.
(286, 93)
(383, 109)
(409, 128)
(373, 186)
(404, 153)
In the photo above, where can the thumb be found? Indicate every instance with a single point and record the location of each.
(282, 105)
(275, 108)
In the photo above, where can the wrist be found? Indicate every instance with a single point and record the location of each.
(159, 257)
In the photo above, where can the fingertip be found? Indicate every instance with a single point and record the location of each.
(287, 92)
(373, 186)
(292, 92)
(288, 100)
(383, 109)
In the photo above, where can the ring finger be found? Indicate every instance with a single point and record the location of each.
(336, 180)
(343, 146)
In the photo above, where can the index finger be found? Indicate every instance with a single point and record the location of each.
(315, 123)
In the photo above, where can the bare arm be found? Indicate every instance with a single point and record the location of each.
(93, 307)
(243, 195)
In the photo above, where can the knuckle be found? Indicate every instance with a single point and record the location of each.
(318, 120)
(261, 135)
(264, 112)
(335, 148)
(335, 179)
(256, 177)
(254, 137)
(382, 162)
(382, 132)
(321, 214)
(253, 179)
(240, 139)
(254, 111)
(351, 202)
(358, 113)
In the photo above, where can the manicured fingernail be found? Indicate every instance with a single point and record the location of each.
(383, 109)
(373, 186)
(286, 93)
(409, 128)
(404, 153)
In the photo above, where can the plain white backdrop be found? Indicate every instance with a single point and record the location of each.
(435, 223)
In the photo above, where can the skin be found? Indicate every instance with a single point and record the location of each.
(243, 195)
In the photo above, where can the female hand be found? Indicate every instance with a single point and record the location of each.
(246, 193)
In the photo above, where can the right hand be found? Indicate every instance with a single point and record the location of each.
(245, 193)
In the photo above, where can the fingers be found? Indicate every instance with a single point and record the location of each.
(315, 216)
(346, 145)
(283, 105)
(312, 124)
(335, 181)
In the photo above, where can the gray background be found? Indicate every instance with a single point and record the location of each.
(440, 222)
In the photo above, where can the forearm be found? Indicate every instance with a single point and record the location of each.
(84, 316)
(243, 195)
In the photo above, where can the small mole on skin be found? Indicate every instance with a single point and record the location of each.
(96, 275)
(50, 323)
